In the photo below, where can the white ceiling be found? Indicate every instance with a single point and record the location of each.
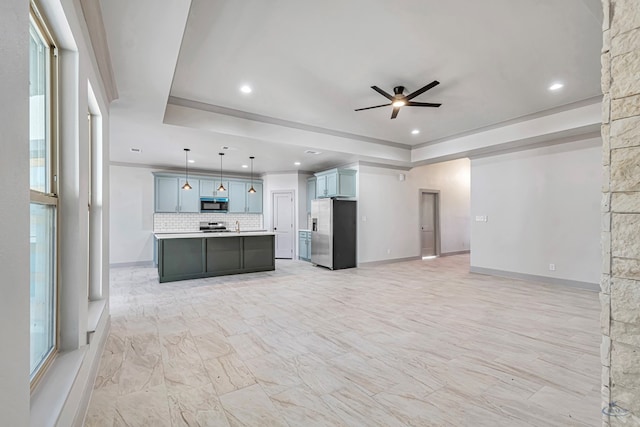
(312, 63)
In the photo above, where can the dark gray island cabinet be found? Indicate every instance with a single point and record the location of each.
(197, 255)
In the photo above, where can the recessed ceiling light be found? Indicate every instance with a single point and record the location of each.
(246, 89)
(556, 86)
(245, 166)
(191, 161)
(415, 132)
(296, 163)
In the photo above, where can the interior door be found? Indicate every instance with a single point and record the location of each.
(428, 218)
(283, 223)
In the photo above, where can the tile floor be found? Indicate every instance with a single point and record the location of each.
(418, 343)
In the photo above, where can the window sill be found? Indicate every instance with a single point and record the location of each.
(49, 397)
(96, 308)
(55, 387)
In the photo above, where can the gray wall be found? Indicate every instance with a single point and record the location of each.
(14, 213)
(61, 394)
(388, 209)
(543, 207)
(131, 214)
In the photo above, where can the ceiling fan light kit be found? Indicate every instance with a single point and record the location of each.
(398, 99)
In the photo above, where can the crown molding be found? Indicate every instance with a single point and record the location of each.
(98, 36)
(537, 115)
(196, 105)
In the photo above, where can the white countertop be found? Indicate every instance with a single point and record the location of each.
(304, 229)
(201, 235)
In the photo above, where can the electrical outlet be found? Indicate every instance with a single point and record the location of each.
(552, 267)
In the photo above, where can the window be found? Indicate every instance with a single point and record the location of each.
(44, 201)
(89, 185)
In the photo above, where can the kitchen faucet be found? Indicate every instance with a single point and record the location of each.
(238, 226)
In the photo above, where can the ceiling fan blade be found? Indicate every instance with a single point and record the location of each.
(422, 104)
(422, 90)
(383, 93)
(395, 111)
(368, 108)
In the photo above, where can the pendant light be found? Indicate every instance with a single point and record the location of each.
(252, 190)
(221, 188)
(186, 185)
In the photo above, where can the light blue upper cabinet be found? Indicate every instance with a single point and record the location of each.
(170, 197)
(241, 201)
(216, 184)
(332, 184)
(254, 200)
(321, 186)
(166, 194)
(336, 183)
(207, 188)
(237, 197)
(189, 199)
(311, 192)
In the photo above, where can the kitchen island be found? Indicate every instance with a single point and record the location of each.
(183, 256)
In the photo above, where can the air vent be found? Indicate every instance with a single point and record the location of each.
(312, 152)
(135, 150)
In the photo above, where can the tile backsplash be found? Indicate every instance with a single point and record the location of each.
(185, 222)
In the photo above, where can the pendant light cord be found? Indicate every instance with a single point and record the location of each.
(221, 187)
(186, 185)
(186, 164)
(252, 190)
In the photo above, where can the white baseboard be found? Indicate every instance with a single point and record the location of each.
(132, 264)
(595, 287)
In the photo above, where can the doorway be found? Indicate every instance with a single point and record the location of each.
(429, 223)
(282, 219)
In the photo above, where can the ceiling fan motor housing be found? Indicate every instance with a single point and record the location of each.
(398, 90)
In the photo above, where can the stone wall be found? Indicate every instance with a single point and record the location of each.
(620, 296)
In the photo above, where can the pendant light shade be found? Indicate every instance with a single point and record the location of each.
(252, 190)
(221, 187)
(186, 185)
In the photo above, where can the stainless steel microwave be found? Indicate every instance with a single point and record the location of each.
(214, 204)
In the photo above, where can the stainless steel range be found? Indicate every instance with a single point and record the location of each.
(213, 227)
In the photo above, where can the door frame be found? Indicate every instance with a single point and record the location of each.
(436, 201)
(292, 193)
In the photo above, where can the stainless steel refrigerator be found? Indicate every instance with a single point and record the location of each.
(333, 233)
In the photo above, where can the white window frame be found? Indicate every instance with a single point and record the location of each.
(51, 197)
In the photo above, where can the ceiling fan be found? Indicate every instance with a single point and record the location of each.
(399, 100)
